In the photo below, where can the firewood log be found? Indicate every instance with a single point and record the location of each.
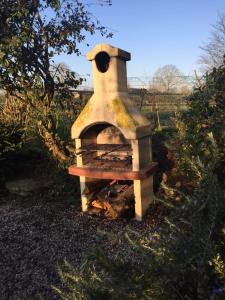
(122, 203)
(103, 205)
(94, 211)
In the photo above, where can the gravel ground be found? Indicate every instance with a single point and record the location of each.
(36, 235)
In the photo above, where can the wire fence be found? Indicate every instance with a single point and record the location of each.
(151, 101)
(175, 83)
(178, 84)
(156, 106)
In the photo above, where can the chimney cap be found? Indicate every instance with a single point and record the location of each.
(110, 50)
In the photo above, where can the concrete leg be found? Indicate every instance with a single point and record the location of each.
(143, 195)
(84, 199)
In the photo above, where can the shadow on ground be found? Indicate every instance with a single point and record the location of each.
(36, 234)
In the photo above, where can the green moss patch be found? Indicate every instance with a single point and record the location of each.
(123, 119)
(85, 113)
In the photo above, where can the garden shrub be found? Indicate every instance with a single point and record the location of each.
(205, 120)
(12, 129)
(13, 121)
(10, 139)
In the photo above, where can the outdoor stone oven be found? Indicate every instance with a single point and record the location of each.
(112, 137)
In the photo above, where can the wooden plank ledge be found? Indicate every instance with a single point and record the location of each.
(102, 173)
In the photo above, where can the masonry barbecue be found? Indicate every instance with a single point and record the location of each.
(113, 139)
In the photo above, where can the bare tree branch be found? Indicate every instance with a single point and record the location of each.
(214, 49)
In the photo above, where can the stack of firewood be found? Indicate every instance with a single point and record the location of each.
(111, 199)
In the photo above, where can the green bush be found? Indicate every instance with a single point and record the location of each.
(10, 139)
(19, 124)
(205, 120)
(12, 125)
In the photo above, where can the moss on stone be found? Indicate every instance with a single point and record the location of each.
(123, 119)
(85, 113)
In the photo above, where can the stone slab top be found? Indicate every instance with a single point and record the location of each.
(112, 52)
(111, 173)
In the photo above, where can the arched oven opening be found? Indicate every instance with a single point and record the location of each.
(104, 146)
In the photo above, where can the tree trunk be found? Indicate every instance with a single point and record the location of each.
(53, 143)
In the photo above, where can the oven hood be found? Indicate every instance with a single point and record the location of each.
(110, 102)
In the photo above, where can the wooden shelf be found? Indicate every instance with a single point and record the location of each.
(113, 173)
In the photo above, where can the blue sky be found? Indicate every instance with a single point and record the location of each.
(155, 32)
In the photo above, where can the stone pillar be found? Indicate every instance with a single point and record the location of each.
(83, 179)
(143, 195)
(84, 200)
(143, 188)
